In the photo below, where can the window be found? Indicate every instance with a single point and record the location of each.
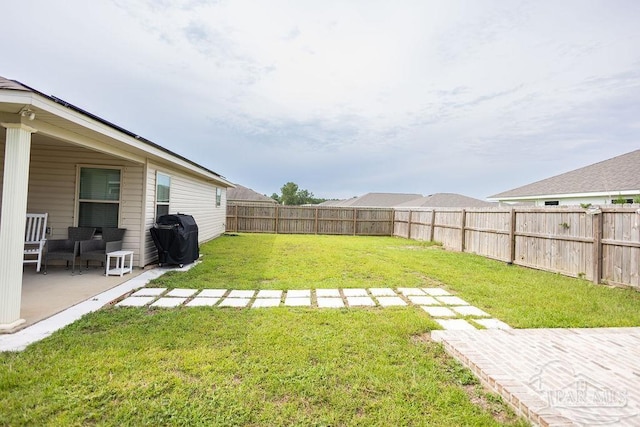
(163, 190)
(218, 197)
(551, 203)
(99, 197)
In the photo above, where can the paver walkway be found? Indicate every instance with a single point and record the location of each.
(557, 377)
(450, 311)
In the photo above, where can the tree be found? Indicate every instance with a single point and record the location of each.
(293, 195)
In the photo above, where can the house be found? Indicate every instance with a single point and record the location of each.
(241, 194)
(446, 200)
(373, 200)
(610, 181)
(84, 171)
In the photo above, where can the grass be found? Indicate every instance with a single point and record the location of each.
(292, 366)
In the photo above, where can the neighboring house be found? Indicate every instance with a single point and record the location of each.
(446, 200)
(610, 181)
(83, 170)
(241, 194)
(373, 200)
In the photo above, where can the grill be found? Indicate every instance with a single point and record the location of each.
(176, 239)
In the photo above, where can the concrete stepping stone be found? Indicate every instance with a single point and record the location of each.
(328, 293)
(411, 291)
(455, 324)
(360, 302)
(266, 302)
(235, 302)
(183, 293)
(297, 301)
(439, 311)
(382, 292)
(148, 292)
(355, 292)
(435, 291)
(202, 302)
(327, 302)
(469, 310)
(492, 323)
(135, 301)
(169, 302)
(299, 293)
(212, 293)
(241, 294)
(269, 293)
(451, 300)
(423, 300)
(391, 301)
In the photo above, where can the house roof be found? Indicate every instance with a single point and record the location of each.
(609, 176)
(377, 200)
(446, 200)
(244, 194)
(33, 99)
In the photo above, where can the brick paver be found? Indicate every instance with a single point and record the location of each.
(557, 377)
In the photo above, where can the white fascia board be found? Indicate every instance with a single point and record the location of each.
(569, 195)
(77, 118)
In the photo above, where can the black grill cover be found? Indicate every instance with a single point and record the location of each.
(176, 238)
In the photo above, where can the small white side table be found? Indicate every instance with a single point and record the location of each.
(121, 263)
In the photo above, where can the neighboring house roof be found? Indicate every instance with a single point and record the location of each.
(611, 176)
(244, 194)
(50, 109)
(379, 200)
(446, 200)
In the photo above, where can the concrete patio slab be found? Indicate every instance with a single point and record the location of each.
(183, 293)
(235, 302)
(435, 291)
(169, 302)
(557, 376)
(470, 310)
(330, 302)
(149, 292)
(135, 301)
(203, 302)
(241, 294)
(382, 292)
(451, 300)
(212, 293)
(297, 301)
(360, 302)
(269, 293)
(391, 301)
(266, 302)
(411, 291)
(455, 324)
(439, 311)
(355, 292)
(423, 300)
(299, 293)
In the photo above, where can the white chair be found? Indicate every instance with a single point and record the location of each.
(34, 239)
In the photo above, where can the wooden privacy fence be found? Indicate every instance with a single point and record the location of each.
(309, 220)
(602, 247)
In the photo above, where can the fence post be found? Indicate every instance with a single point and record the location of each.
(409, 227)
(432, 230)
(276, 218)
(462, 226)
(316, 223)
(393, 222)
(512, 236)
(598, 224)
(236, 222)
(355, 221)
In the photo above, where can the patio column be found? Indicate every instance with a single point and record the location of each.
(13, 220)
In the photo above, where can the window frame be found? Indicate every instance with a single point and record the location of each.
(218, 197)
(162, 203)
(79, 168)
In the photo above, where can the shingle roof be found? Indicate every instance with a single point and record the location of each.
(446, 200)
(621, 173)
(10, 84)
(382, 200)
(244, 194)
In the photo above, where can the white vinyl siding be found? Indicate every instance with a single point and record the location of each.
(52, 187)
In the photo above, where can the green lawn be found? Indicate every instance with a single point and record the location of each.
(292, 366)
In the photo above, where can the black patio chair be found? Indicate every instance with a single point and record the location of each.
(67, 249)
(97, 249)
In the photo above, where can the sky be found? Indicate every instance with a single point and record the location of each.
(347, 97)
